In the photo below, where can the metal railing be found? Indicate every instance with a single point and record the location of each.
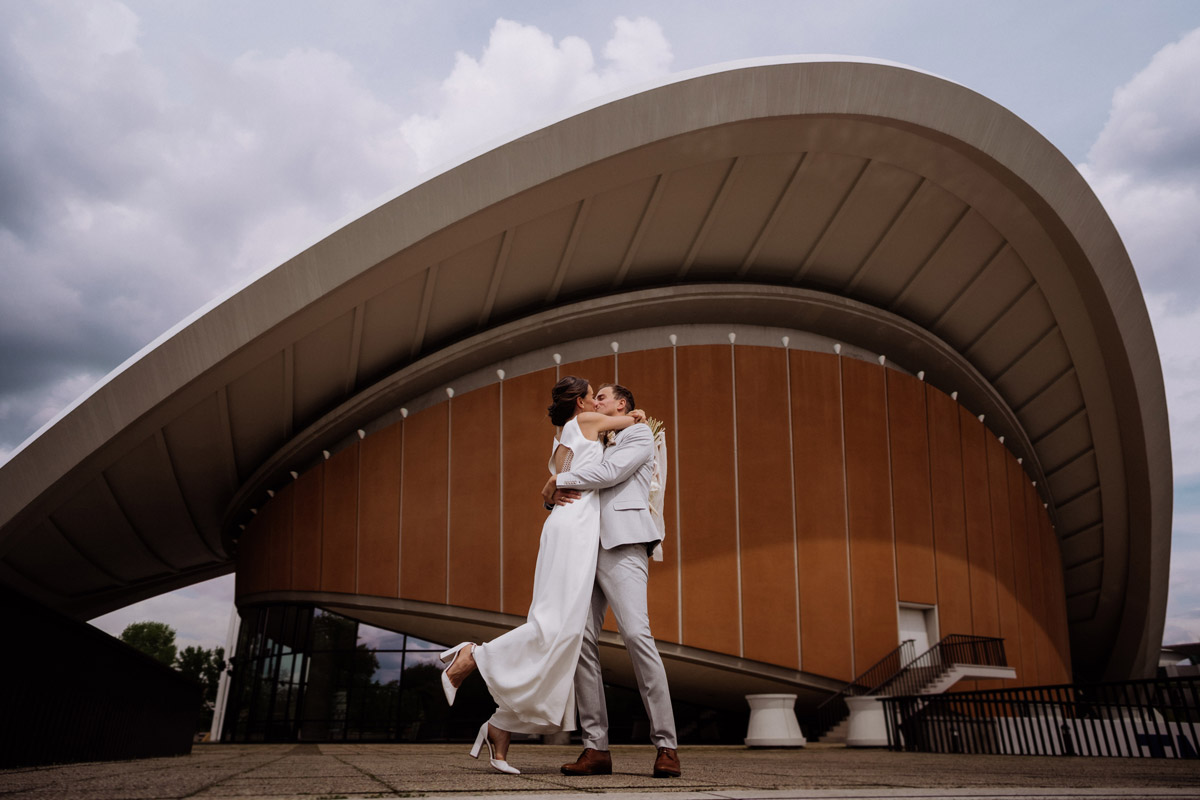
(899, 672)
(1157, 718)
(833, 709)
(955, 648)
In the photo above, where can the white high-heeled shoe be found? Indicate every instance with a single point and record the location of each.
(449, 656)
(498, 764)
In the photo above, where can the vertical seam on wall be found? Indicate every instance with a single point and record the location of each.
(966, 530)
(933, 527)
(846, 510)
(500, 514)
(737, 510)
(291, 555)
(400, 515)
(887, 438)
(357, 513)
(787, 371)
(678, 519)
(1024, 679)
(321, 535)
(987, 460)
(449, 468)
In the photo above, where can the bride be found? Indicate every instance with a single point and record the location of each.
(530, 671)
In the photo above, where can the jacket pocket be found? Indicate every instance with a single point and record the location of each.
(629, 505)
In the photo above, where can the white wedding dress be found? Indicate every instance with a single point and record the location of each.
(530, 671)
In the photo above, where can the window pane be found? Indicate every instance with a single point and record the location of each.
(378, 638)
(420, 644)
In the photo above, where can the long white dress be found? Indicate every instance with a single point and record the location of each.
(530, 671)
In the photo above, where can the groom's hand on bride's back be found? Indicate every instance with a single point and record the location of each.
(553, 496)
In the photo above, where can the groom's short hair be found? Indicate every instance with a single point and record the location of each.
(621, 393)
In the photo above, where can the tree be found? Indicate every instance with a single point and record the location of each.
(155, 639)
(204, 667)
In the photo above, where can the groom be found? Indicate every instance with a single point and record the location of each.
(627, 536)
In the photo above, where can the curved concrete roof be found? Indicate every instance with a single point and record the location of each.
(862, 190)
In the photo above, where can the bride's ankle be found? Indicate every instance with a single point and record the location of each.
(500, 740)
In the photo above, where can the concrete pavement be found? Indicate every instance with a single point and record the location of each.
(326, 771)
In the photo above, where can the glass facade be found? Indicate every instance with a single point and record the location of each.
(302, 673)
(306, 674)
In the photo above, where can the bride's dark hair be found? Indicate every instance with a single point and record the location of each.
(563, 397)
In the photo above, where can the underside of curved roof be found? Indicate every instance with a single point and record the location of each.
(814, 193)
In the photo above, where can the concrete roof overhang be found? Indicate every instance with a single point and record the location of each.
(887, 207)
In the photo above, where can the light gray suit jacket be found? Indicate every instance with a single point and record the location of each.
(623, 478)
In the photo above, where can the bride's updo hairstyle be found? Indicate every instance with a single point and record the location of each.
(563, 397)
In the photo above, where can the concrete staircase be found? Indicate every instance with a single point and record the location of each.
(934, 672)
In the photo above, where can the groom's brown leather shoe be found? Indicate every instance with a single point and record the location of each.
(590, 762)
(667, 763)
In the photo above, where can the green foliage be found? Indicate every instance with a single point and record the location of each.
(155, 639)
(204, 667)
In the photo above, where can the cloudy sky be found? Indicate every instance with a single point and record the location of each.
(157, 155)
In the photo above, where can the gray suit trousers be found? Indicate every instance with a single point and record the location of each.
(621, 578)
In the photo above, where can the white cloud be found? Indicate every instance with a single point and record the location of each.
(523, 76)
(1177, 330)
(1154, 117)
(125, 204)
(128, 200)
(1145, 167)
(1183, 606)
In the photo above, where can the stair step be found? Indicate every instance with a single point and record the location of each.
(836, 734)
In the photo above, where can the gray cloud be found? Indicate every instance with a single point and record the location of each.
(130, 203)
(1145, 166)
(125, 203)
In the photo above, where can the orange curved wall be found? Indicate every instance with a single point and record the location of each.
(808, 495)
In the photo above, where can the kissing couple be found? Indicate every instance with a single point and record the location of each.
(594, 553)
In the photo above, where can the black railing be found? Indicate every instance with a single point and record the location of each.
(900, 673)
(955, 648)
(833, 709)
(1155, 718)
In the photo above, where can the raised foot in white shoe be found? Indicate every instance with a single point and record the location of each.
(498, 764)
(450, 656)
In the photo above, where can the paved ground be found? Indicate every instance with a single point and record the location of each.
(313, 772)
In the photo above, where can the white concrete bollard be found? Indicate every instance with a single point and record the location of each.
(868, 727)
(773, 721)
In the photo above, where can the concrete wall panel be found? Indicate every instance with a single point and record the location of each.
(912, 515)
(379, 513)
(824, 574)
(711, 606)
(308, 519)
(526, 436)
(279, 528)
(424, 511)
(474, 564)
(339, 538)
(765, 518)
(869, 505)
